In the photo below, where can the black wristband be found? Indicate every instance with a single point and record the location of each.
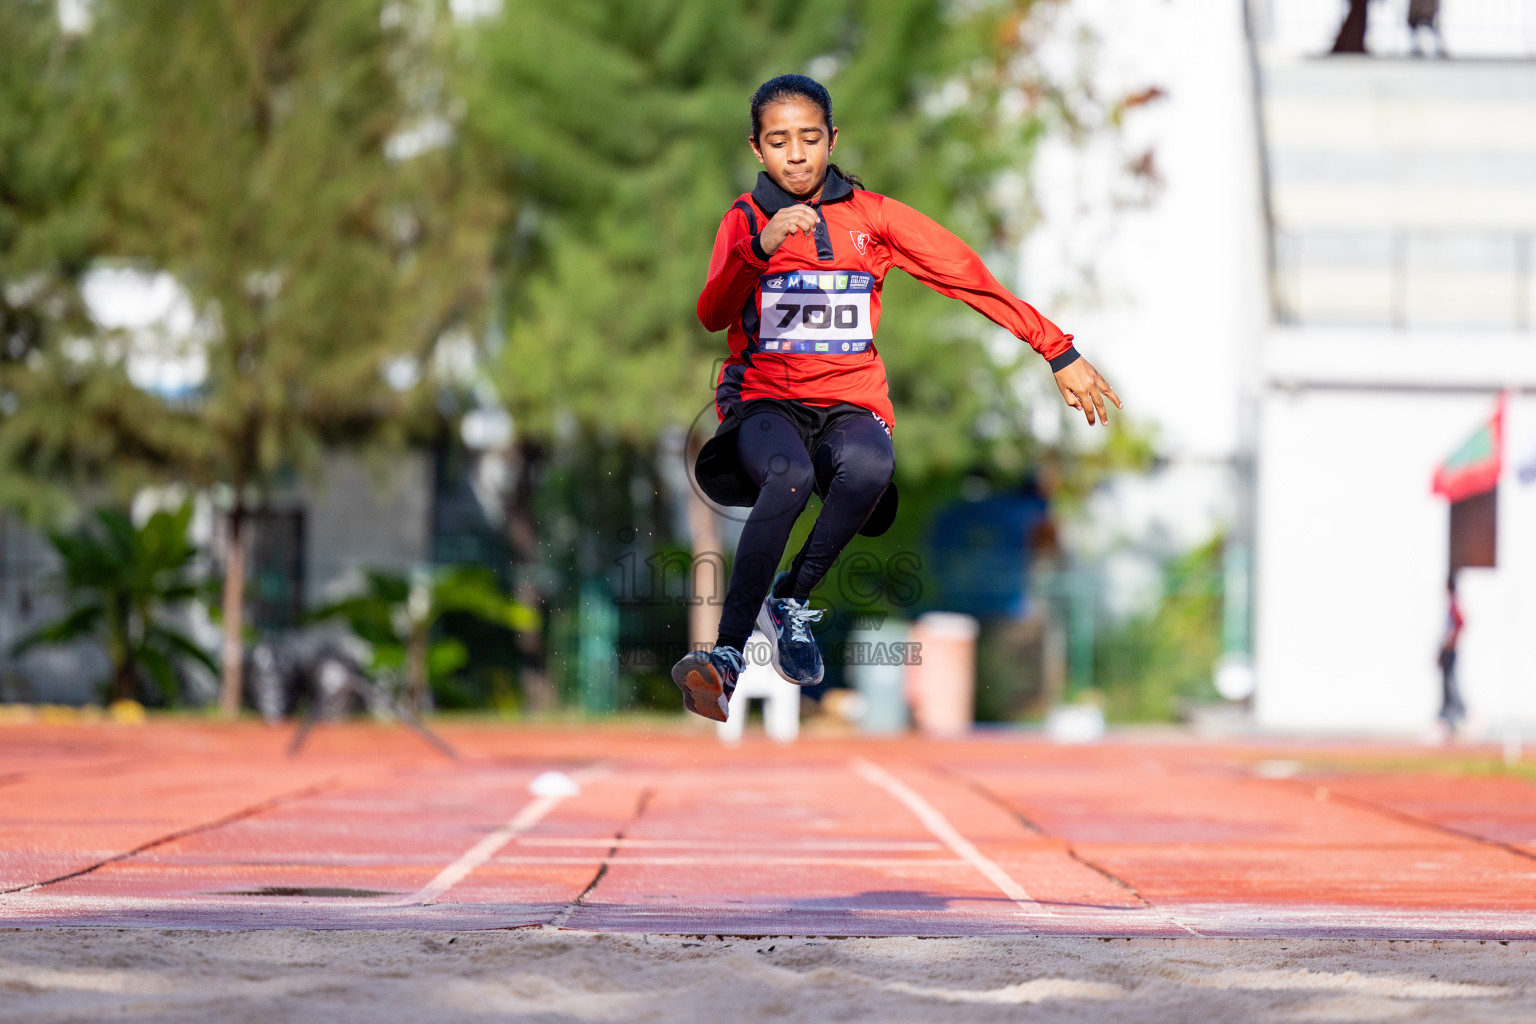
(1064, 360)
(757, 247)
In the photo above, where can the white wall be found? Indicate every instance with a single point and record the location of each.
(1175, 296)
(1352, 559)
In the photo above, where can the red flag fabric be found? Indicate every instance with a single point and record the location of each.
(1473, 468)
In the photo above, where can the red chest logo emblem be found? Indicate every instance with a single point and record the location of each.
(860, 240)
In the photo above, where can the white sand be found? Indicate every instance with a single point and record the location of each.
(561, 976)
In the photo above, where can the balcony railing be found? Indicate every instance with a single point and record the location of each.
(1408, 279)
(1470, 29)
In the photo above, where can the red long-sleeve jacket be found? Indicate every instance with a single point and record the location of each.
(801, 324)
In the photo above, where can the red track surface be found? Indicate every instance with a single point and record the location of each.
(186, 825)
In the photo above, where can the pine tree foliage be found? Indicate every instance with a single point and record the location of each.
(283, 161)
(292, 164)
(51, 141)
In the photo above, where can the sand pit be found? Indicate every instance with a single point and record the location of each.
(549, 975)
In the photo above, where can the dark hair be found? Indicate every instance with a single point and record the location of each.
(786, 87)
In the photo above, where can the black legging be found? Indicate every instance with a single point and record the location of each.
(855, 461)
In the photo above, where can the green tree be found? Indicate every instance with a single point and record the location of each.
(1150, 664)
(397, 617)
(52, 139)
(119, 580)
(293, 164)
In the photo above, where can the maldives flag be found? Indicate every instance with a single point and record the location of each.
(1473, 468)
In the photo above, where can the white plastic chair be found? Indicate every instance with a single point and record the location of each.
(781, 698)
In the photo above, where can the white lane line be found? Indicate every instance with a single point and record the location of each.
(530, 815)
(607, 842)
(946, 833)
(749, 861)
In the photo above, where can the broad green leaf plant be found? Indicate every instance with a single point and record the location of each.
(396, 616)
(120, 581)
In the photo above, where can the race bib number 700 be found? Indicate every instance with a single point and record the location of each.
(820, 312)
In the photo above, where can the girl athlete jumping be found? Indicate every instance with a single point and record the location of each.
(795, 282)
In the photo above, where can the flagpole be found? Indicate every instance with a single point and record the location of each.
(1513, 561)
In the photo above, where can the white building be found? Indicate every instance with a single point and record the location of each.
(1401, 200)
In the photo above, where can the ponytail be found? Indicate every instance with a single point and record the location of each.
(852, 179)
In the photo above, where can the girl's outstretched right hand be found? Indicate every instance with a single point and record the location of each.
(785, 223)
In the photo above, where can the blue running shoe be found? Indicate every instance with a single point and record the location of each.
(785, 623)
(707, 679)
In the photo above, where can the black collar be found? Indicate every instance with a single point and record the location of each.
(768, 195)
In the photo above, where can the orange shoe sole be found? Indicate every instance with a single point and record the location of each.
(703, 691)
